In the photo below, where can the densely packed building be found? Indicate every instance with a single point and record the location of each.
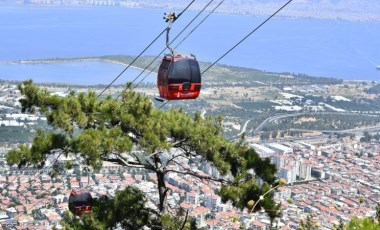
(329, 181)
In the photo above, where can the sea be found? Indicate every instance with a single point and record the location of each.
(347, 50)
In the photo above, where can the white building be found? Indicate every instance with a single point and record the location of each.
(283, 193)
(192, 197)
(308, 146)
(58, 199)
(211, 200)
(209, 169)
(279, 161)
(280, 148)
(305, 171)
(4, 218)
(263, 151)
(288, 173)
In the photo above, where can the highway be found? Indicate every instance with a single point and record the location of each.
(281, 116)
(244, 128)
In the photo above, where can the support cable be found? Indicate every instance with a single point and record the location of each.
(253, 31)
(237, 44)
(125, 69)
(163, 104)
(35, 177)
(196, 27)
(204, 8)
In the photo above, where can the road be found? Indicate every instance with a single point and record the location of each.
(203, 113)
(277, 117)
(244, 128)
(369, 129)
(281, 116)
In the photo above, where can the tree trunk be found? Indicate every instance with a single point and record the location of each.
(162, 189)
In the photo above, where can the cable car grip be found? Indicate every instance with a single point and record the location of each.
(170, 19)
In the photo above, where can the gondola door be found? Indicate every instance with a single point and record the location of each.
(162, 80)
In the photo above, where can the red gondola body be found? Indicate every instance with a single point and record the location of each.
(179, 77)
(79, 201)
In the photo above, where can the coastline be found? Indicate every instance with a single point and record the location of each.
(51, 61)
(109, 59)
(298, 11)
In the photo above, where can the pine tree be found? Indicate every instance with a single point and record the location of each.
(96, 130)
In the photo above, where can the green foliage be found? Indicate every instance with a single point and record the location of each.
(106, 129)
(242, 194)
(43, 143)
(366, 223)
(42, 195)
(86, 222)
(175, 223)
(126, 210)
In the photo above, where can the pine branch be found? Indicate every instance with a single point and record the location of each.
(147, 160)
(178, 144)
(173, 158)
(191, 173)
(132, 164)
(184, 222)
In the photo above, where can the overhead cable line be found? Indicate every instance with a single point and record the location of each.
(196, 27)
(34, 205)
(38, 174)
(163, 104)
(125, 69)
(35, 177)
(253, 31)
(9, 182)
(134, 60)
(199, 13)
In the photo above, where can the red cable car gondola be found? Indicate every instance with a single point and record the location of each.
(80, 201)
(179, 76)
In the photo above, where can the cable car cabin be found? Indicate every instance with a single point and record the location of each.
(179, 77)
(79, 201)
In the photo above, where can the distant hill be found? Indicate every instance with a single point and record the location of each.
(227, 75)
(219, 74)
(355, 10)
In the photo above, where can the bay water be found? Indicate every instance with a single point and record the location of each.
(331, 48)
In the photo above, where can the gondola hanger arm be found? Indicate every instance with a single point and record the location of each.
(170, 19)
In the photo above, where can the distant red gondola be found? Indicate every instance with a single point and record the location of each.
(179, 76)
(79, 201)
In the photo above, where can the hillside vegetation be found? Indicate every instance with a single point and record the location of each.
(374, 90)
(245, 94)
